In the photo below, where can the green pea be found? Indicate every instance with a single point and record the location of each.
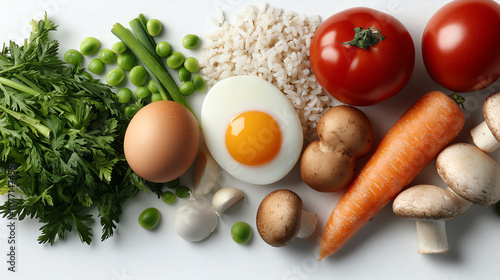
(187, 88)
(175, 60)
(107, 56)
(156, 96)
(163, 49)
(191, 64)
(73, 56)
(152, 86)
(182, 192)
(131, 110)
(199, 83)
(89, 45)
(174, 183)
(119, 47)
(126, 61)
(138, 75)
(96, 66)
(190, 41)
(115, 77)
(241, 232)
(168, 197)
(124, 95)
(149, 218)
(154, 27)
(184, 75)
(142, 92)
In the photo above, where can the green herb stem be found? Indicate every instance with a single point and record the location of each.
(36, 124)
(18, 86)
(12, 68)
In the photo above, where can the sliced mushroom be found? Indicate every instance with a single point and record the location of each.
(430, 206)
(486, 135)
(470, 173)
(280, 218)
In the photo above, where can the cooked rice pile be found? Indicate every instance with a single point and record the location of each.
(272, 44)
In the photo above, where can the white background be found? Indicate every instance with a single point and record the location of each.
(384, 249)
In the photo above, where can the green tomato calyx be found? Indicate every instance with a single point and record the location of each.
(365, 38)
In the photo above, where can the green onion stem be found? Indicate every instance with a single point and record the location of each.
(148, 60)
(148, 43)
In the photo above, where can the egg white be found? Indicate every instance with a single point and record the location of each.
(235, 95)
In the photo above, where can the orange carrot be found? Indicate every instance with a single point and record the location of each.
(407, 148)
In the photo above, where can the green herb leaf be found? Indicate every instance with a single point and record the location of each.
(61, 142)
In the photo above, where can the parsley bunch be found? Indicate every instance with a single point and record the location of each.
(61, 141)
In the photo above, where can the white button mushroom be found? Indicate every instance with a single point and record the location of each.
(430, 206)
(471, 176)
(280, 218)
(470, 173)
(486, 135)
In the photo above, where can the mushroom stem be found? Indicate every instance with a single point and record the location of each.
(307, 224)
(432, 236)
(483, 138)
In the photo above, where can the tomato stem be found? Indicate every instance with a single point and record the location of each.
(365, 38)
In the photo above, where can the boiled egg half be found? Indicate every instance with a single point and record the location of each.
(251, 129)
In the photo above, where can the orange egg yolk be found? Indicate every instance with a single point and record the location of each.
(253, 138)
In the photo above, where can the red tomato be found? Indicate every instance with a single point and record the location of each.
(358, 76)
(460, 45)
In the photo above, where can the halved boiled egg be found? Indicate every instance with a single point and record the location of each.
(251, 129)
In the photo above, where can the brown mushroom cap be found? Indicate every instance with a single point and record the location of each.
(347, 125)
(328, 173)
(491, 112)
(426, 202)
(279, 217)
(345, 134)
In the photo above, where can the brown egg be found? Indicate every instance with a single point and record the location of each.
(161, 141)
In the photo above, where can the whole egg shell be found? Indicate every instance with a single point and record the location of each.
(161, 141)
(235, 95)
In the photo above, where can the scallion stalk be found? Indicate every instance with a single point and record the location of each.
(149, 61)
(140, 30)
(148, 42)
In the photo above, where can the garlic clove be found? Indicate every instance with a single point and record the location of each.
(224, 198)
(195, 220)
(205, 174)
